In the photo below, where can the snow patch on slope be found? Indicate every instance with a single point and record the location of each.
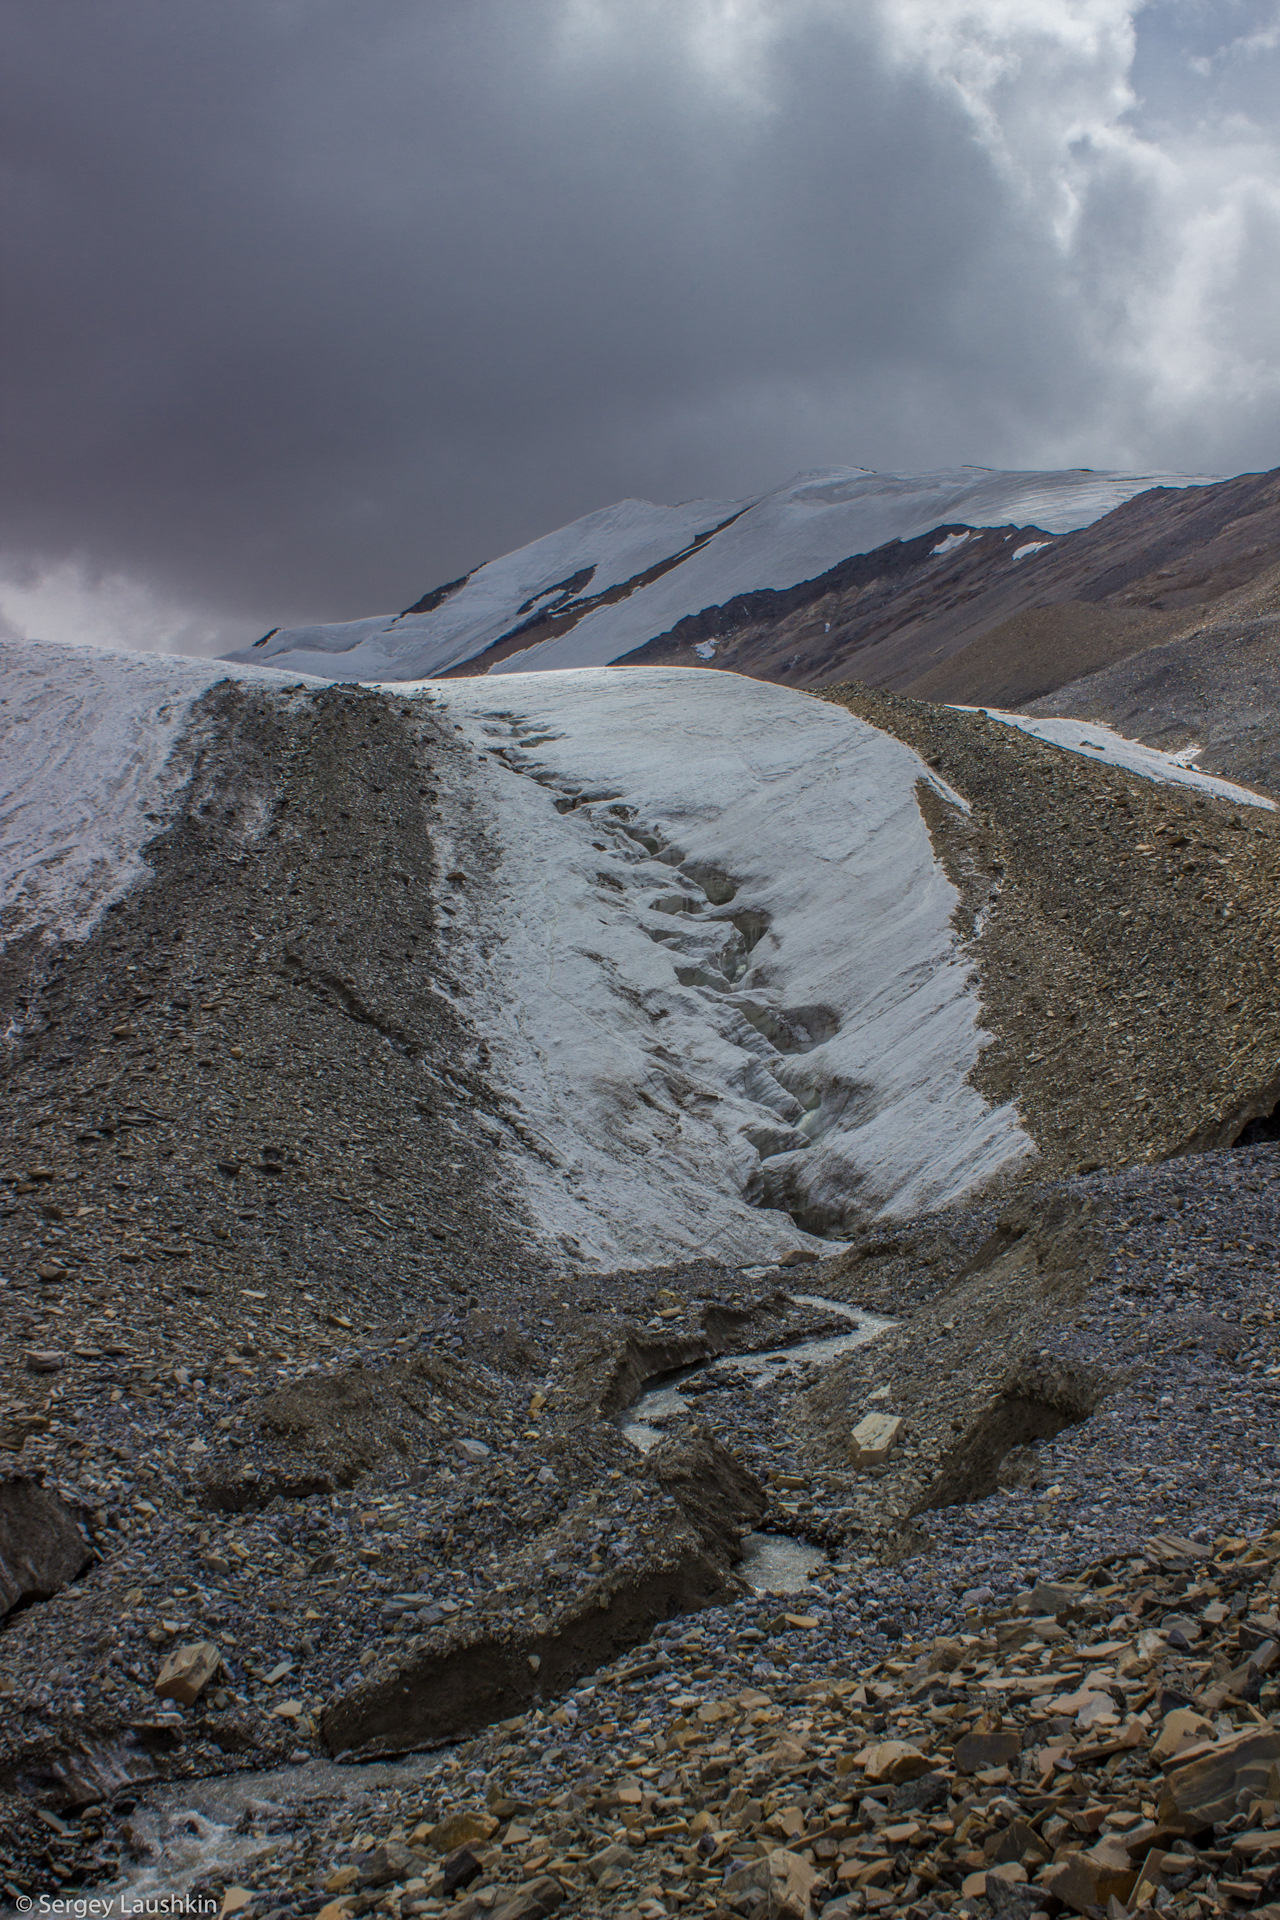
(614, 544)
(1103, 744)
(774, 541)
(806, 528)
(724, 987)
(87, 743)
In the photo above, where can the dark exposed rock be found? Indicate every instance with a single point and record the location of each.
(1186, 573)
(718, 1495)
(1124, 934)
(470, 1682)
(459, 1869)
(390, 1861)
(41, 1547)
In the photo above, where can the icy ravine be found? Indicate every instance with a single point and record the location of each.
(708, 551)
(725, 987)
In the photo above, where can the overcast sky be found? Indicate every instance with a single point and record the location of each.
(313, 304)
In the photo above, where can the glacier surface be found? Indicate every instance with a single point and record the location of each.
(725, 1003)
(725, 991)
(87, 749)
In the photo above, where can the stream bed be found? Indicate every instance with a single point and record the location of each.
(771, 1562)
(182, 1832)
(644, 1420)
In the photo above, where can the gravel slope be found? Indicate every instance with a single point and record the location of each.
(1125, 935)
(359, 1431)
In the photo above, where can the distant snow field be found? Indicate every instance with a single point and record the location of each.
(629, 572)
(1103, 744)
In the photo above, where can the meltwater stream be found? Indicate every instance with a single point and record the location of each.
(224, 1825)
(771, 1562)
(645, 1418)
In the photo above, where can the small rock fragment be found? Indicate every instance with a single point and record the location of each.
(462, 1829)
(187, 1671)
(532, 1901)
(784, 1878)
(976, 1751)
(460, 1868)
(894, 1761)
(44, 1360)
(390, 1861)
(873, 1439)
(1090, 1878)
(1180, 1729)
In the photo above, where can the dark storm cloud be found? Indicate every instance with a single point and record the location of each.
(312, 303)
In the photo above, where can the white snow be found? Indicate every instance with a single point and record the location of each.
(949, 544)
(87, 744)
(616, 542)
(776, 540)
(714, 960)
(1099, 742)
(674, 1075)
(1025, 553)
(723, 987)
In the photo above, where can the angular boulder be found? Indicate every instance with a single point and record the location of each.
(1202, 1789)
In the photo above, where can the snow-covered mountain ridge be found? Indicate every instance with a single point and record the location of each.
(613, 581)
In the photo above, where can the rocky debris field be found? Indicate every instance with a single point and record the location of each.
(1104, 1744)
(1092, 1368)
(1214, 686)
(1125, 934)
(319, 1527)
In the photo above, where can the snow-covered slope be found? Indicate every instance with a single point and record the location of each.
(87, 743)
(702, 929)
(704, 933)
(725, 975)
(610, 547)
(624, 575)
(1094, 740)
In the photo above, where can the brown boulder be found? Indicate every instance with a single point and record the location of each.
(462, 1829)
(977, 1751)
(1201, 1789)
(1090, 1878)
(785, 1879)
(390, 1861)
(533, 1901)
(187, 1671)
